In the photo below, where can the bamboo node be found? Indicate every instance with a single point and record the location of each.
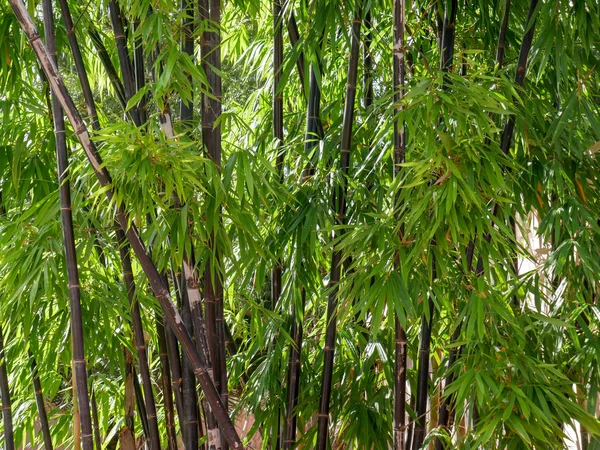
(86, 435)
(71, 286)
(323, 415)
(79, 361)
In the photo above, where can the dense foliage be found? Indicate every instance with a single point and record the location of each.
(331, 209)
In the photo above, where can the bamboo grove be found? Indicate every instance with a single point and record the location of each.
(283, 224)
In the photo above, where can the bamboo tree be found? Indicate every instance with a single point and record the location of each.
(78, 357)
(152, 273)
(95, 421)
(127, 435)
(400, 356)
(9, 439)
(190, 405)
(340, 214)
(41, 406)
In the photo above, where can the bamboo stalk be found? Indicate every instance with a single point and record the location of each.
(129, 401)
(41, 406)
(293, 381)
(166, 384)
(79, 65)
(210, 12)
(340, 219)
(95, 422)
(190, 405)
(124, 61)
(400, 355)
(420, 429)
(140, 344)
(78, 354)
(113, 76)
(141, 406)
(9, 439)
(174, 357)
(447, 406)
(161, 292)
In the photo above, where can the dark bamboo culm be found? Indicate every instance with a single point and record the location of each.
(141, 406)
(41, 405)
(189, 299)
(9, 439)
(277, 271)
(161, 292)
(109, 68)
(127, 436)
(420, 428)
(165, 377)
(174, 355)
(400, 357)
(78, 360)
(118, 26)
(150, 406)
(140, 344)
(340, 193)
(313, 133)
(447, 406)
(294, 36)
(210, 13)
(190, 403)
(95, 421)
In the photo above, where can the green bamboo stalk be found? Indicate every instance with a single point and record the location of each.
(78, 358)
(9, 434)
(340, 219)
(160, 291)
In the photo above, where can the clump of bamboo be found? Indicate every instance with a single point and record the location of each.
(160, 291)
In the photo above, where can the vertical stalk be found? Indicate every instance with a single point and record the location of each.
(79, 367)
(128, 434)
(420, 429)
(140, 344)
(166, 384)
(190, 405)
(399, 158)
(340, 219)
(9, 439)
(293, 379)
(447, 406)
(174, 357)
(210, 11)
(39, 401)
(97, 438)
(161, 292)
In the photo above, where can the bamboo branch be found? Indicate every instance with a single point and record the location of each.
(161, 292)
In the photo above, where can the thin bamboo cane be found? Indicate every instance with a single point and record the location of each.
(294, 38)
(175, 357)
(116, 20)
(293, 381)
(41, 406)
(166, 384)
(113, 76)
(340, 219)
(95, 422)
(447, 406)
(400, 355)
(161, 292)
(78, 59)
(190, 404)
(9, 439)
(78, 358)
(141, 406)
(420, 429)
(129, 400)
(210, 12)
(140, 344)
